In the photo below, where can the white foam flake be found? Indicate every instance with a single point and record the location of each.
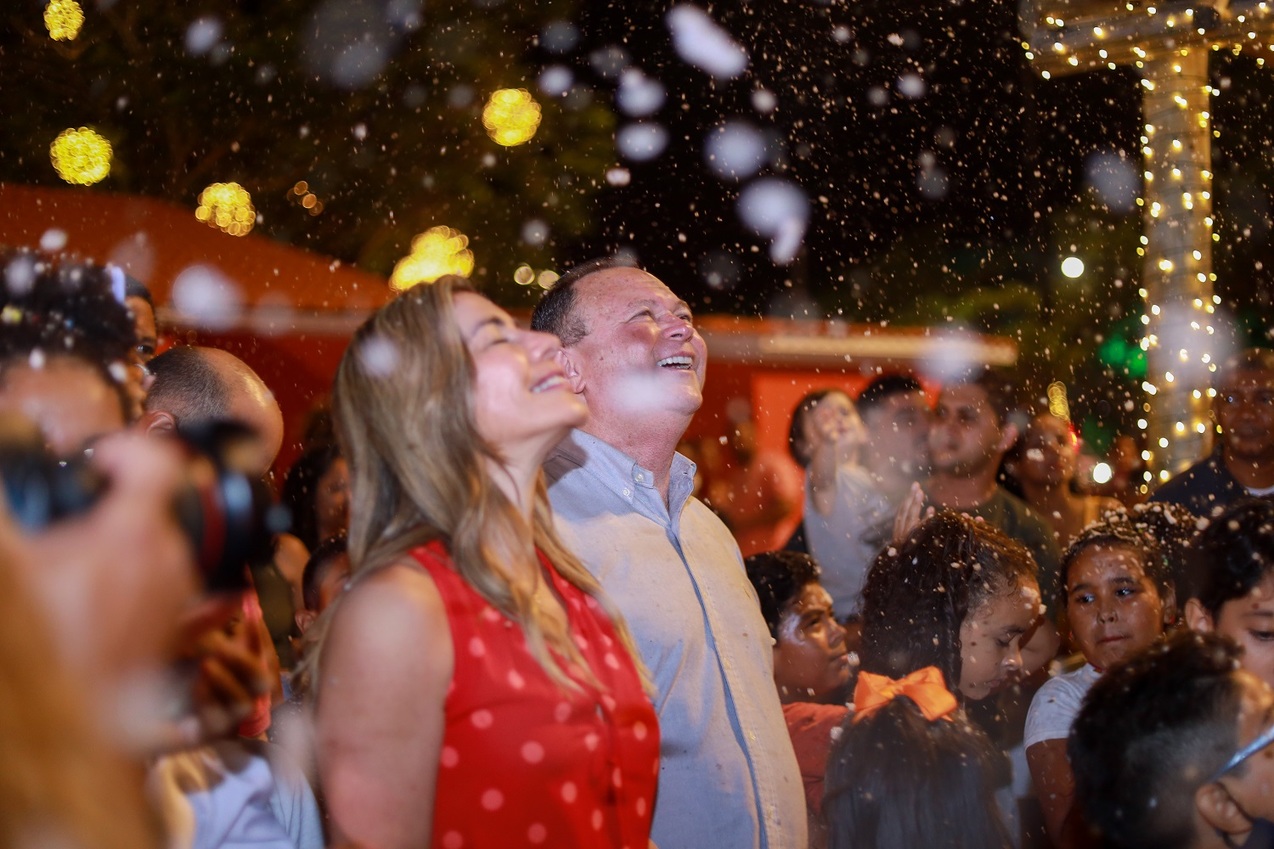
(912, 85)
(735, 150)
(642, 141)
(379, 356)
(559, 37)
(535, 232)
(778, 210)
(1113, 178)
(764, 101)
(53, 240)
(19, 274)
(700, 41)
(207, 298)
(618, 176)
(638, 94)
(202, 35)
(556, 80)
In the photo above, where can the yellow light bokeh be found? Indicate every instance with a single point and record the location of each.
(228, 207)
(437, 251)
(81, 156)
(63, 19)
(511, 116)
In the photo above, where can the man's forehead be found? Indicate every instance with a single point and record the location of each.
(624, 286)
(964, 395)
(1247, 377)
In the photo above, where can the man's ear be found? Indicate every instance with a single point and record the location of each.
(304, 619)
(156, 423)
(567, 359)
(1197, 617)
(1214, 804)
(1008, 435)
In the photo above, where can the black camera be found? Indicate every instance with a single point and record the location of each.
(229, 516)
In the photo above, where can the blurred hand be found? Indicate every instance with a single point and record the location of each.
(910, 513)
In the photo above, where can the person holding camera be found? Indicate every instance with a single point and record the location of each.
(472, 687)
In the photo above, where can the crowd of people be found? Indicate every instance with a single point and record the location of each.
(499, 616)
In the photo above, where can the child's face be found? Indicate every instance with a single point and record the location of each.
(1114, 609)
(811, 660)
(991, 640)
(1249, 621)
(1252, 784)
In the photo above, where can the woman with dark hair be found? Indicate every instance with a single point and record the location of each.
(910, 771)
(317, 493)
(472, 686)
(956, 594)
(811, 663)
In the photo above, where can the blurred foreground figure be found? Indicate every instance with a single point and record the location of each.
(1242, 463)
(621, 494)
(471, 688)
(91, 613)
(910, 771)
(1171, 750)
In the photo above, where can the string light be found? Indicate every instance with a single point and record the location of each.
(437, 251)
(1176, 247)
(511, 116)
(228, 207)
(81, 157)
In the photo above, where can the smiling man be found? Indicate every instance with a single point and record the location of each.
(622, 498)
(1243, 461)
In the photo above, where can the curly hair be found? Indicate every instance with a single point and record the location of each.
(779, 577)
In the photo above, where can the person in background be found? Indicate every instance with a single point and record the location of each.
(621, 495)
(909, 770)
(1045, 466)
(1231, 586)
(759, 495)
(1242, 463)
(195, 386)
(811, 664)
(471, 688)
(843, 510)
(64, 349)
(1118, 600)
(1171, 750)
(316, 491)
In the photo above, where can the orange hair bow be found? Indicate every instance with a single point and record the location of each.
(925, 687)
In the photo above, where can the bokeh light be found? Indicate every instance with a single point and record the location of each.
(1072, 267)
(437, 251)
(63, 19)
(511, 116)
(228, 207)
(81, 157)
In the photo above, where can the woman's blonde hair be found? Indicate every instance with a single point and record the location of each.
(419, 471)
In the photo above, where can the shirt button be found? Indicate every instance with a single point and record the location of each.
(628, 493)
(639, 477)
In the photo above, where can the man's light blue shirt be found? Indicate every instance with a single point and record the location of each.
(728, 778)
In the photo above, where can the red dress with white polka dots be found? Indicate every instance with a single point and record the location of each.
(525, 762)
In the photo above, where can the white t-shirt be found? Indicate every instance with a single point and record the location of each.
(1055, 706)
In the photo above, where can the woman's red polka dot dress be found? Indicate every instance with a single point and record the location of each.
(525, 762)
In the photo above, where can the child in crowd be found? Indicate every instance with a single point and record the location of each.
(1232, 582)
(811, 663)
(1117, 600)
(910, 771)
(1171, 750)
(956, 594)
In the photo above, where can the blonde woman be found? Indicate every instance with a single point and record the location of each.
(472, 688)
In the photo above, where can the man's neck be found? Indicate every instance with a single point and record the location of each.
(651, 443)
(1253, 474)
(959, 492)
